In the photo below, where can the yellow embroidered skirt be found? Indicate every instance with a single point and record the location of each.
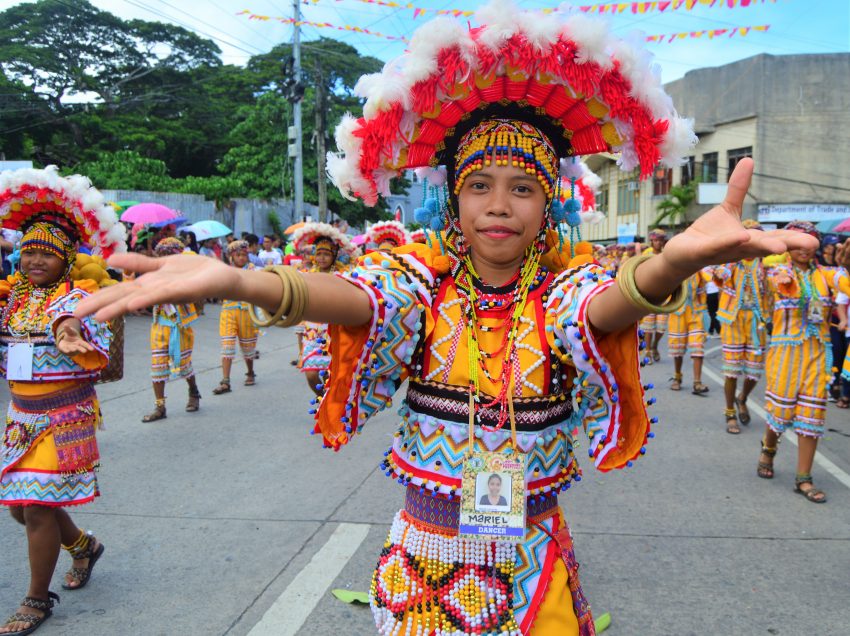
(49, 452)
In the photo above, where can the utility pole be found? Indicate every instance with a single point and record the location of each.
(299, 154)
(321, 124)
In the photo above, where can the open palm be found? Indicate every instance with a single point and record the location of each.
(173, 279)
(718, 236)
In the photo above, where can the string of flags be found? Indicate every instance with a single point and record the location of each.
(709, 33)
(322, 25)
(662, 38)
(610, 8)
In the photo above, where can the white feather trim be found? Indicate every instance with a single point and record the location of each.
(383, 90)
(592, 37)
(98, 222)
(313, 230)
(432, 37)
(678, 142)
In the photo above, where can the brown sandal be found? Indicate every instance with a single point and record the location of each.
(743, 411)
(656, 357)
(223, 387)
(33, 621)
(699, 389)
(158, 412)
(676, 384)
(765, 469)
(732, 422)
(194, 402)
(843, 402)
(83, 549)
(250, 379)
(812, 494)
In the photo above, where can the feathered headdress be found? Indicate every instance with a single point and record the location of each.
(385, 231)
(71, 202)
(585, 89)
(309, 233)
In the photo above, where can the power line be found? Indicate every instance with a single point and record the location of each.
(156, 12)
(253, 30)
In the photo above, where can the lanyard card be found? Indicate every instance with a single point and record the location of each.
(492, 504)
(19, 362)
(815, 314)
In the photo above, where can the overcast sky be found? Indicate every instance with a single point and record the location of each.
(796, 26)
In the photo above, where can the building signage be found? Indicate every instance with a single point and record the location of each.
(786, 212)
(626, 232)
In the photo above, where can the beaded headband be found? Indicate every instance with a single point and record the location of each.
(312, 233)
(49, 238)
(504, 142)
(658, 233)
(169, 246)
(805, 227)
(237, 245)
(325, 244)
(752, 224)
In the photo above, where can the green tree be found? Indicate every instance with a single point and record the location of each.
(85, 65)
(128, 170)
(673, 209)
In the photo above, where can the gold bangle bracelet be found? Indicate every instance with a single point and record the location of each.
(293, 300)
(628, 287)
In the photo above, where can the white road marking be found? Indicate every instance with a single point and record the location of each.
(713, 350)
(292, 608)
(820, 460)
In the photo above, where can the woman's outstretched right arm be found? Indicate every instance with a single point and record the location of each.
(188, 278)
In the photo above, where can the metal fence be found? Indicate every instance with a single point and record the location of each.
(243, 215)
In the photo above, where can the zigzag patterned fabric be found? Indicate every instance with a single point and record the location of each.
(22, 487)
(417, 334)
(49, 364)
(314, 353)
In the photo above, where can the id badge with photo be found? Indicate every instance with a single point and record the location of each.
(492, 505)
(815, 314)
(19, 362)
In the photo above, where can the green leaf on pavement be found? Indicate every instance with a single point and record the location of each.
(351, 597)
(602, 623)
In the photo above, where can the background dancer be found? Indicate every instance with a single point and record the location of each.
(743, 311)
(51, 359)
(172, 340)
(799, 359)
(235, 324)
(654, 325)
(688, 325)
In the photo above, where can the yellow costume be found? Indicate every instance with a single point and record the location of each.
(234, 325)
(50, 451)
(799, 358)
(172, 340)
(743, 313)
(688, 325)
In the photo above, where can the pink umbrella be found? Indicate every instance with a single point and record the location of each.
(360, 239)
(148, 213)
(844, 226)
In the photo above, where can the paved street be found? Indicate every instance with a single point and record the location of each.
(229, 520)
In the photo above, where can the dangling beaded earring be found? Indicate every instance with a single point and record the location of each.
(432, 214)
(568, 212)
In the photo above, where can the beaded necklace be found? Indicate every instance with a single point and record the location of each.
(469, 294)
(751, 285)
(809, 291)
(19, 319)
